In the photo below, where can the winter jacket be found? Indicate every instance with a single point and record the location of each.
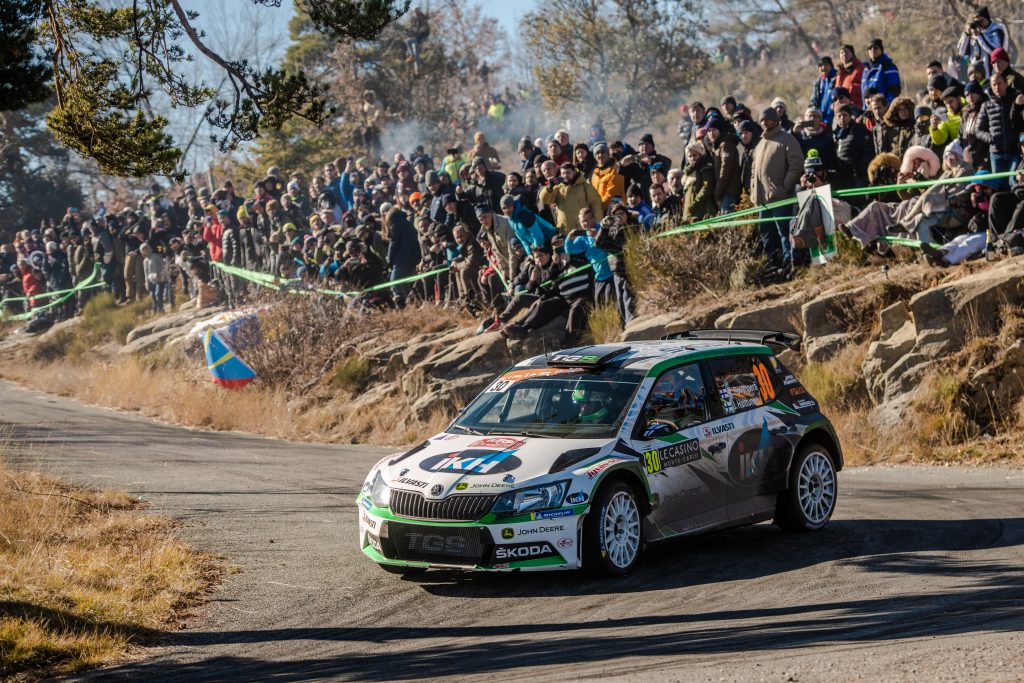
(82, 262)
(231, 247)
(999, 123)
(530, 229)
(882, 76)
(821, 95)
(154, 267)
(851, 80)
(489, 191)
(609, 183)
(699, 183)
(854, 151)
(975, 149)
(776, 167)
(403, 242)
(726, 164)
(58, 271)
(980, 47)
(823, 142)
(598, 258)
(31, 285)
(946, 132)
(212, 233)
(569, 199)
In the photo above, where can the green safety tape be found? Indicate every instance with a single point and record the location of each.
(906, 242)
(66, 294)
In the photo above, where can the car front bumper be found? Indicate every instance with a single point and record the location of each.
(520, 543)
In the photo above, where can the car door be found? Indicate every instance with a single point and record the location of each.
(691, 489)
(757, 453)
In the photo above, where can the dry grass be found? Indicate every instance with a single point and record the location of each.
(604, 323)
(84, 575)
(838, 384)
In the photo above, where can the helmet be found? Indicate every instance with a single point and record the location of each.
(591, 408)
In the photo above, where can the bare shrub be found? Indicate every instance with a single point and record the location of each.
(604, 323)
(667, 271)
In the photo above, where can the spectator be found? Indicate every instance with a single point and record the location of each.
(854, 150)
(156, 275)
(999, 125)
(850, 74)
(571, 194)
(1001, 64)
(699, 184)
(814, 134)
(776, 167)
(779, 105)
(606, 178)
(981, 38)
(880, 73)
(975, 148)
(821, 94)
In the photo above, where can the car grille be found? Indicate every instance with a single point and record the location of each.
(458, 508)
(420, 543)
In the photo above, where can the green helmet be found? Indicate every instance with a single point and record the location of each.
(591, 409)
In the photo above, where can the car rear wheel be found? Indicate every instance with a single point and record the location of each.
(810, 500)
(402, 569)
(613, 531)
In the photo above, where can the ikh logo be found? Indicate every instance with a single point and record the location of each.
(473, 461)
(508, 533)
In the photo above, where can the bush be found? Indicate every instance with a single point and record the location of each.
(838, 384)
(102, 321)
(604, 323)
(351, 374)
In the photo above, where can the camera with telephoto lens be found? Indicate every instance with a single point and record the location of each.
(975, 25)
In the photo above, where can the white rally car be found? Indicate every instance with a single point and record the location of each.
(581, 457)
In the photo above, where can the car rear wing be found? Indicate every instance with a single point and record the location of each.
(774, 338)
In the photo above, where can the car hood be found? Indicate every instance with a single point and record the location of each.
(457, 463)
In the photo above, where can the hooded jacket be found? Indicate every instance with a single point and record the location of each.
(403, 242)
(776, 167)
(851, 79)
(897, 135)
(821, 95)
(699, 184)
(608, 182)
(854, 151)
(726, 164)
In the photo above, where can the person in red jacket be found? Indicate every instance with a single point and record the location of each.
(851, 71)
(213, 231)
(31, 283)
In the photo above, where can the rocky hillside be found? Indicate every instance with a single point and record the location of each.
(936, 353)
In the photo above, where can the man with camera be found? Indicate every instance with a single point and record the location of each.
(982, 37)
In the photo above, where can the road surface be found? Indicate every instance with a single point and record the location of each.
(919, 576)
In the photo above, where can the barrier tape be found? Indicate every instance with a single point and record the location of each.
(728, 220)
(66, 294)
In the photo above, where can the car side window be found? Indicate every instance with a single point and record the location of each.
(678, 399)
(741, 383)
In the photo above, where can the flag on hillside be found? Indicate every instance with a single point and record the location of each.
(228, 370)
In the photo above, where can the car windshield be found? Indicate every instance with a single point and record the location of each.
(553, 402)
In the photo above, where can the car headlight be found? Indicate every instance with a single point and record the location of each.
(533, 499)
(380, 492)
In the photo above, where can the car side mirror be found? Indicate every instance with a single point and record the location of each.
(656, 429)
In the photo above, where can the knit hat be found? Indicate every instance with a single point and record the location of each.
(877, 42)
(747, 126)
(432, 177)
(813, 161)
(974, 87)
(952, 91)
(983, 12)
(954, 149)
(999, 53)
(779, 102)
(922, 110)
(600, 147)
(648, 138)
(769, 114)
(525, 144)
(507, 200)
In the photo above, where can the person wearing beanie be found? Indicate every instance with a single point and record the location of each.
(776, 168)
(779, 105)
(937, 84)
(1000, 61)
(605, 177)
(749, 134)
(880, 73)
(850, 75)
(813, 134)
(483, 149)
(648, 156)
(982, 37)
(821, 94)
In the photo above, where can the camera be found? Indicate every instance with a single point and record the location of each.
(975, 25)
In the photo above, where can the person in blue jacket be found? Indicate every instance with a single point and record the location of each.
(403, 250)
(880, 73)
(529, 228)
(821, 95)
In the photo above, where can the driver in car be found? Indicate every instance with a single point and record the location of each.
(591, 408)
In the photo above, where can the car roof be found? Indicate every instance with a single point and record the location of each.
(638, 354)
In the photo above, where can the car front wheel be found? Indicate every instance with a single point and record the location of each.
(613, 531)
(810, 500)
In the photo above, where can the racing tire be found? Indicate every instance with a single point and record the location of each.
(402, 570)
(813, 491)
(613, 531)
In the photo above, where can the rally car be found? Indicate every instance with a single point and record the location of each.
(582, 457)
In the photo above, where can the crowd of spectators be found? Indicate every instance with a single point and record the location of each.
(522, 243)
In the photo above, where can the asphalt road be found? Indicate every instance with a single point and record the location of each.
(920, 576)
